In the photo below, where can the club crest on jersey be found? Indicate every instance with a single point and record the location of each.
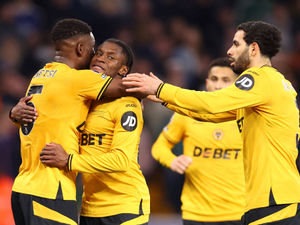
(245, 82)
(27, 127)
(129, 121)
(218, 134)
(103, 76)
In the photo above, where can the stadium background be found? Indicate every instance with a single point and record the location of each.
(174, 39)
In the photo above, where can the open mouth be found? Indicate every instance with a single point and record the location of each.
(98, 68)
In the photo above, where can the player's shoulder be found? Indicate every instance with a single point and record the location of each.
(129, 101)
(261, 72)
(177, 116)
(180, 119)
(127, 104)
(253, 76)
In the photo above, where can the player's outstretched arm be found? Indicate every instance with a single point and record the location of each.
(54, 155)
(142, 83)
(23, 113)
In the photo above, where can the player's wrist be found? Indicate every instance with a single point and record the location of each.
(159, 89)
(11, 116)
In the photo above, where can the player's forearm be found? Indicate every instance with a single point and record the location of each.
(162, 151)
(113, 161)
(115, 89)
(200, 102)
(215, 118)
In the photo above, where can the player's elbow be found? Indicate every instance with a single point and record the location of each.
(123, 164)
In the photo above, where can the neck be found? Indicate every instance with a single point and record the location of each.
(65, 60)
(63, 53)
(261, 61)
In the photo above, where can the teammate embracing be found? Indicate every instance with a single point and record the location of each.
(114, 188)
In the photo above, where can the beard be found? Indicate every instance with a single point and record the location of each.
(241, 63)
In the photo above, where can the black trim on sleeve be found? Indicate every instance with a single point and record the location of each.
(103, 88)
(69, 165)
(159, 89)
(164, 104)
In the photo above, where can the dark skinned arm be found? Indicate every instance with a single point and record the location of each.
(116, 90)
(23, 113)
(54, 155)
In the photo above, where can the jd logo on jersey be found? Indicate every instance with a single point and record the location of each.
(245, 82)
(129, 121)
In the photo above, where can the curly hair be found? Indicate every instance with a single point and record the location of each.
(67, 28)
(266, 35)
(126, 50)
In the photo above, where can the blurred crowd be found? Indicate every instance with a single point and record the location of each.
(174, 39)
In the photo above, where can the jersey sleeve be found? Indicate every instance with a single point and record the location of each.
(249, 90)
(124, 147)
(171, 135)
(90, 84)
(215, 118)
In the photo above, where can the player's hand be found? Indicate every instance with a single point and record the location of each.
(141, 83)
(54, 155)
(153, 98)
(23, 113)
(181, 163)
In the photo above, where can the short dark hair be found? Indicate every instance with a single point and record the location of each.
(222, 62)
(67, 28)
(126, 50)
(266, 35)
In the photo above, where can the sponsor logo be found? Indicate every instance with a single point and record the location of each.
(130, 105)
(216, 153)
(91, 139)
(245, 82)
(129, 121)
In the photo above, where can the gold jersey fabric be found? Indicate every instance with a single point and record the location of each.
(112, 179)
(61, 96)
(214, 185)
(268, 117)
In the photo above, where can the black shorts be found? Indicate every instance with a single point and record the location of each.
(33, 210)
(190, 222)
(124, 219)
(286, 214)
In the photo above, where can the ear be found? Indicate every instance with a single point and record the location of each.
(123, 70)
(254, 49)
(206, 82)
(79, 49)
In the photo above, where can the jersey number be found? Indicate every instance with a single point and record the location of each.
(34, 89)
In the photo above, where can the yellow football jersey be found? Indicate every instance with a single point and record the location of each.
(112, 180)
(268, 117)
(61, 96)
(214, 186)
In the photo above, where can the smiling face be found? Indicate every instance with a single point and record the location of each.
(239, 53)
(109, 59)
